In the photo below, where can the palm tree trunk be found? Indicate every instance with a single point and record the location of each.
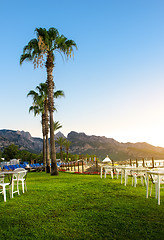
(44, 140)
(54, 170)
(44, 151)
(61, 153)
(50, 83)
(48, 168)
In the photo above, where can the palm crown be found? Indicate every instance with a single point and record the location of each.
(46, 41)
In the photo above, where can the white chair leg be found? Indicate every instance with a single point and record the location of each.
(142, 181)
(4, 193)
(145, 180)
(105, 174)
(18, 188)
(135, 181)
(126, 179)
(112, 174)
(12, 189)
(121, 175)
(156, 190)
(151, 189)
(101, 173)
(23, 186)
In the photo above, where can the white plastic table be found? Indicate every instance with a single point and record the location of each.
(160, 174)
(124, 171)
(110, 168)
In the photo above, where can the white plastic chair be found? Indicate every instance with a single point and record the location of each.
(108, 171)
(19, 176)
(3, 186)
(140, 175)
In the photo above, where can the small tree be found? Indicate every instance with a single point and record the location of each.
(67, 145)
(61, 141)
(10, 152)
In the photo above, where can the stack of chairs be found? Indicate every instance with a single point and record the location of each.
(5, 167)
(13, 167)
(37, 167)
(32, 167)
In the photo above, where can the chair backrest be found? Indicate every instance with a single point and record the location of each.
(20, 173)
(19, 169)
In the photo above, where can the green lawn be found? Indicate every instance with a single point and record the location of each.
(71, 206)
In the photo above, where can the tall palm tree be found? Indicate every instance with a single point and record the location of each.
(47, 43)
(67, 145)
(61, 141)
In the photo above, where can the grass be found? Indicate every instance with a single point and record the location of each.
(71, 206)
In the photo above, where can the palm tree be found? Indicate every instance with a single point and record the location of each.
(43, 101)
(43, 93)
(38, 109)
(61, 141)
(57, 94)
(67, 145)
(46, 44)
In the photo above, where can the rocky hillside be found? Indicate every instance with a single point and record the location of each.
(84, 144)
(102, 146)
(20, 138)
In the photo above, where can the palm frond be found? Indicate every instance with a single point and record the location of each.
(67, 144)
(53, 34)
(33, 44)
(43, 89)
(59, 93)
(32, 52)
(35, 109)
(57, 125)
(32, 93)
(26, 57)
(71, 43)
(60, 141)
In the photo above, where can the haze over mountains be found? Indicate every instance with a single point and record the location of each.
(84, 144)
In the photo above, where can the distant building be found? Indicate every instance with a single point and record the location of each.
(107, 159)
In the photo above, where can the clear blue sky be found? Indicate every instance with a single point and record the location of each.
(114, 87)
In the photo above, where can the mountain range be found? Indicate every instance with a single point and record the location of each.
(84, 144)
